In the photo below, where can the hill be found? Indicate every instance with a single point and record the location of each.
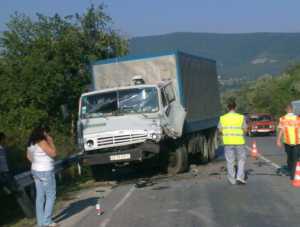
(246, 56)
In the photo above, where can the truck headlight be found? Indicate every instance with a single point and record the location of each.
(90, 143)
(154, 136)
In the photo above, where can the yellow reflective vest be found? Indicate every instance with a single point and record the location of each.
(232, 128)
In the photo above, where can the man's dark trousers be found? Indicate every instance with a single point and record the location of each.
(289, 153)
(295, 155)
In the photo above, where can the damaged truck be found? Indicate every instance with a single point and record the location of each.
(158, 107)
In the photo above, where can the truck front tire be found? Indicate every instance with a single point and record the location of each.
(178, 160)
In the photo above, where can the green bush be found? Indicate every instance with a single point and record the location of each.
(44, 67)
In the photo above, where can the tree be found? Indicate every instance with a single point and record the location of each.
(268, 94)
(45, 64)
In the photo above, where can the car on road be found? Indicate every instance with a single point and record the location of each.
(260, 124)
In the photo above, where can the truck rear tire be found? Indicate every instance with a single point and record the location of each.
(101, 172)
(178, 160)
(203, 150)
(213, 145)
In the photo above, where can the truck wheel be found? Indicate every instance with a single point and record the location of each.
(178, 160)
(203, 150)
(101, 172)
(213, 145)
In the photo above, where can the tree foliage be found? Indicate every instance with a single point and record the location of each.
(268, 94)
(45, 64)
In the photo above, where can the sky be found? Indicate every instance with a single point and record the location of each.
(152, 17)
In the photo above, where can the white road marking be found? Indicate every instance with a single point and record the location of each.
(276, 166)
(122, 201)
(106, 221)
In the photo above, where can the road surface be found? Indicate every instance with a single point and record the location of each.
(206, 199)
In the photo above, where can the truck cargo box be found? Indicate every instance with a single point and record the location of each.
(194, 79)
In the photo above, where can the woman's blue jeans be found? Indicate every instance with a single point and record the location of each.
(45, 196)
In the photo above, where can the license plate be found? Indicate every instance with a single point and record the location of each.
(119, 157)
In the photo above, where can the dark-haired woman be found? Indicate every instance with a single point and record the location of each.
(41, 152)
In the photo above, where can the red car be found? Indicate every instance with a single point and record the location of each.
(260, 124)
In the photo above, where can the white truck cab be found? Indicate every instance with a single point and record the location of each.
(117, 120)
(141, 107)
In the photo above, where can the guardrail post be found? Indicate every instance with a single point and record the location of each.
(79, 169)
(25, 203)
(59, 175)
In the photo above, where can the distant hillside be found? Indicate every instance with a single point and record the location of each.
(238, 55)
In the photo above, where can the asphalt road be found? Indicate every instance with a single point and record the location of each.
(267, 147)
(206, 199)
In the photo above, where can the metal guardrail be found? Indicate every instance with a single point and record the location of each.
(25, 181)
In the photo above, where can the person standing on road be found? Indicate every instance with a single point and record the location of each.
(289, 131)
(6, 178)
(41, 152)
(232, 126)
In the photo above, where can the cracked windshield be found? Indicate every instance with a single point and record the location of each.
(129, 101)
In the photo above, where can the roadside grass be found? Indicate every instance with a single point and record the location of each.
(67, 187)
(10, 212)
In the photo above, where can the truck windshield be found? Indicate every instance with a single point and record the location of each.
(138, 100)
(134, 100)
(104, 104)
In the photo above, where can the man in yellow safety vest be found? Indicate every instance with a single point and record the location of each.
(289, 127)
(232, 126)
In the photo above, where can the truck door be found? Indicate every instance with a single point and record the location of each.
(174, 113)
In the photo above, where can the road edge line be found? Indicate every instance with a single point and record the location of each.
(276, 166)
(106, 221)
(123, 200)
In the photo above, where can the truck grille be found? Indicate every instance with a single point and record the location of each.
(121, 139)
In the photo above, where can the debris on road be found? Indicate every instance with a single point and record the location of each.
(223, 169)
(194, 171)
(143, 183)
(160, 188)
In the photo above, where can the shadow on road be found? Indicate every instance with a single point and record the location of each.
(131, 174)
(75, 208)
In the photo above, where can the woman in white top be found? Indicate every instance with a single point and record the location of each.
(41, 152)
